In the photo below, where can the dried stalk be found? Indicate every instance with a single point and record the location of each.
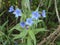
(51, 36)
(57, 14)
(56, 37)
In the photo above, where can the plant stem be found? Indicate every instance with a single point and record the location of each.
(57, 14)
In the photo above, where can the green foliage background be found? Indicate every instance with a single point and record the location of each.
(7, 21)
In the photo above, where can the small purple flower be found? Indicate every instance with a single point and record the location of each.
(29, 21)
(11, 9)
(22, 24)
(17, 12)
(35, 15)
(43, 13)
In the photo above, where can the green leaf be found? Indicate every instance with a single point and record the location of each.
(13, 1)
(0, 4)
(5, 23)
(32, 35)
(58, 43)
(26, 4)
(39, 30)
(1, 33)
(2, 13)
(17, 27)
(0, 27)
(3, 26)
(29, 42)
(5, 43)
(21, 35)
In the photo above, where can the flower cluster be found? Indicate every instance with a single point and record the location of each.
(29, 21)
(17, 12)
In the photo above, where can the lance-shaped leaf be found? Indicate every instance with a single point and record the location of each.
(29, 41)
(17, 27)
(32, 35)
(21, 35)
(39, 30)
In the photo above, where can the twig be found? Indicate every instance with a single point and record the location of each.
(52, 35)
(52, 43)
(56, 37)
(57, 14)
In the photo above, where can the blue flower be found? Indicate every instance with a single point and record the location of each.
(29, 21)
(11, 9)
(17, 12)
(22, 24)
(43, 13)
(35, 15)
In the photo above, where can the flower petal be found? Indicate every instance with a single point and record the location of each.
(43, 13)
(22, 24)
(11, 9)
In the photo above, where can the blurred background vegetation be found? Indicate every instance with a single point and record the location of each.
(51, 20)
